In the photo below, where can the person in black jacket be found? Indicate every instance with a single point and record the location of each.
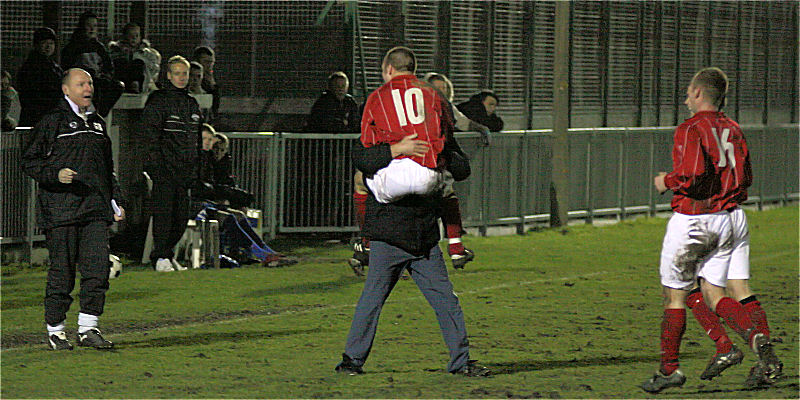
(85, 51)
(481, 108)
(171, 125)
(335, 111)
(39, 79)
(69, 155)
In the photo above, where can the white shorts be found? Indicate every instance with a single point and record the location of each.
(740, 257)
(714, 247)
(402, 177)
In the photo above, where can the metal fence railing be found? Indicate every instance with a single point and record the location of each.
(304, 182)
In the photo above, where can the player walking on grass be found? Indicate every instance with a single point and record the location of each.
(707, 238)
(405, 233)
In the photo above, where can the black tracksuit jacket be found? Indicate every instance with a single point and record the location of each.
(62, 139)
(171, 123)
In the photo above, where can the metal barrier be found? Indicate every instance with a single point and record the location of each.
(304, 182)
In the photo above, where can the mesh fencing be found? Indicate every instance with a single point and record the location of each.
(270, 49)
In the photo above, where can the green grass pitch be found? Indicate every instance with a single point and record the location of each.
(554, 315)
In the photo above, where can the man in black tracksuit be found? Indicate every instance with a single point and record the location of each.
(171, 124)
(69, 155)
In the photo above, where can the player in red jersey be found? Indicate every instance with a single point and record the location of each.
(707, 237)
(404, 106)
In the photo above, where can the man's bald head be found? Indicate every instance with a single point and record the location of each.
(73, 72)
(77, 85)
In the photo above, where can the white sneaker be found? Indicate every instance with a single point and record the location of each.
(177, 265)
(164, 265)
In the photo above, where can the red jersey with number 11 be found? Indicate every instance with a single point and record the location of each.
(710, 165)
(401, 107)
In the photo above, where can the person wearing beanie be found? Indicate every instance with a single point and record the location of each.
(39, 79)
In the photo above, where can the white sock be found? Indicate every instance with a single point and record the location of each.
(51, 329)
(86, 322)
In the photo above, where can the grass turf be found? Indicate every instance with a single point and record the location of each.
(554, 315)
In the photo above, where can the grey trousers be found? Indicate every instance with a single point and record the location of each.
(386, 263)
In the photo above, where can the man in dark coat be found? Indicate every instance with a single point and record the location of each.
(70, 157)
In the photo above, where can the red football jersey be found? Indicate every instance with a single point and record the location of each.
(401, 107)
(710, 165)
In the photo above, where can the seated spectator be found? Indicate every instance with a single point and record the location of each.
(129, 68)
(39, 78)
(85, 51)
(481, 109)
(217, 183)
(237, 238)
(205, 56)
(196, 78)
(335, 111)
(10, 103)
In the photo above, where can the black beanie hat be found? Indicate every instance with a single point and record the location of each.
(43, 34)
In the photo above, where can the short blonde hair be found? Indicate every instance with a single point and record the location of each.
(177, 60)
(714, 84)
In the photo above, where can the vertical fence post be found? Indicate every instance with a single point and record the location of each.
(30, 225)
(278, 151)
(760, 157)
(651, 199)
(783, 137)
(621, 175)
(588, 191)
(485, 157)
(522, 180)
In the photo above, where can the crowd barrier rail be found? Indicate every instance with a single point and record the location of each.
(303, 182)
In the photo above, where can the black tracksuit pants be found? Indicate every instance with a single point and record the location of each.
(169, 204)
(82, 246)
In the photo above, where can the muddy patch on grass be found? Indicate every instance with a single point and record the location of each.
(13, 340)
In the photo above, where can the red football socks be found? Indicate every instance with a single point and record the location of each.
(736, 317)
(673, 324)
(360, 206)
(451, 218)
(709, 321)
(756, 313)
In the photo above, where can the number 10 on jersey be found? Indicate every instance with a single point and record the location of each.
(412, 97)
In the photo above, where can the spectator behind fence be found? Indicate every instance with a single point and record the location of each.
(207, 58)
(129, 60)
(196, 78)
(85, 51)
(481, 109)
(335, 111)
(216, 171)
(10, 103)
(171, 127)
(39, 78)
